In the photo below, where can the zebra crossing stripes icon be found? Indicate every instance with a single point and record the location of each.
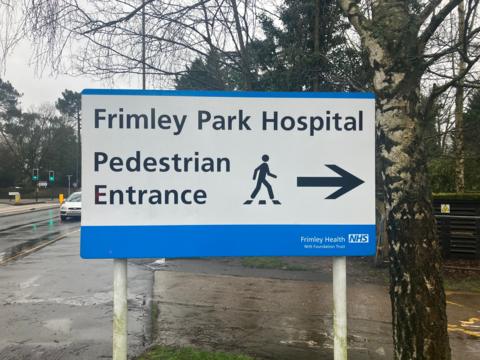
(260, 175)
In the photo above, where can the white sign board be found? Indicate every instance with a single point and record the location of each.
(186, 173)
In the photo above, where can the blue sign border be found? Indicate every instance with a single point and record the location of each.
(245, 94)
(225, 240)
(169, 241)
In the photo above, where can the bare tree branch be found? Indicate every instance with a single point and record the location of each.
(435, 22)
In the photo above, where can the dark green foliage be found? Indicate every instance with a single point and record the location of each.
(441, 162)
(206, 75)
(42, 141)
(9, 98)
(457, 196)
(472, 143)
(442, 173)
(8, 169)
(31, 140)
(60, 152)
(293, 56)
(69, 104)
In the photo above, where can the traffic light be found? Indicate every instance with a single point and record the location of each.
(51, 175)
(35, 175)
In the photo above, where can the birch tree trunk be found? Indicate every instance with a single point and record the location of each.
(416, 285)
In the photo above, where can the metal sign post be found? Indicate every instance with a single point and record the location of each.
(120, 312)
(340, 308)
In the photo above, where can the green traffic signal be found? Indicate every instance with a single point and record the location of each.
(51, 176)
(35, 175)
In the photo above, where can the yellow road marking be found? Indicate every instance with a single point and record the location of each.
(466, 324)
(470, 321)
(454, 303)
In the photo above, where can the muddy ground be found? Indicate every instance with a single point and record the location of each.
(285, 312)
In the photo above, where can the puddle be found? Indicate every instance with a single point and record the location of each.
(464, 315)
(17, 251)
(262, 317)
(23, 225)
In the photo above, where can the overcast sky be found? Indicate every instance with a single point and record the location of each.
(37, 88)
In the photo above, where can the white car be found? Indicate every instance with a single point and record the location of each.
(72, 206)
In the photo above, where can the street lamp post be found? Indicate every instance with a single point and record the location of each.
(69, 176)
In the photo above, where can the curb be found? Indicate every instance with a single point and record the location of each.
(27, 252)
(27, 209)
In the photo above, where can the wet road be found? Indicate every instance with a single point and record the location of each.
(55, 305)
(24, 233)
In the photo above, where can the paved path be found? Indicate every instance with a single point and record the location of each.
(285, 319)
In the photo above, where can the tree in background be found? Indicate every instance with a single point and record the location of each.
(60, 144)
(459, 105)
(305, 49)
(440, 162)
(472, 143)
(308, 50)
(70, 106)
(442, 145)
(208, 74)
(10, 171)
(109, 35)
(9, 101)
(30, 140)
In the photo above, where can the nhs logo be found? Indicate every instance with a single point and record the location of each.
(358, 238)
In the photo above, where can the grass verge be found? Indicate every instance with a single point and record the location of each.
(154, 314)
(471, 284)
(169, 353)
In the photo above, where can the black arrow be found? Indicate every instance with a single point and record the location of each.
(346, 181)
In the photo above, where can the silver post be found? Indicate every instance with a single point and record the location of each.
(119, 309)
(340, 308)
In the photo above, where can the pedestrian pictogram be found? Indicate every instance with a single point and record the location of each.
(260, 175)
